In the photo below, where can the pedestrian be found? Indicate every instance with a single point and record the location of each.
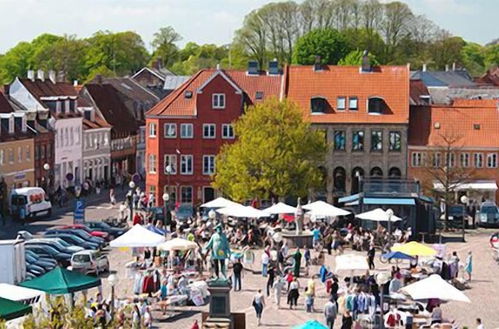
(334, 289)
(309, 300)
(270, 280)
(293, 293)
(316, 237)
(123, 212)
(468, 268)
(328, 240)
(278, 285)
(237, 269)
(454, 265)
(22, 215)
(258, 304)
(265, 263)
(163, 295)
(346, 321)
(307, 256)
(195, 325)
(112, 196)
(330, 312)
(136, 318)
(370, 256)
(479, 324)
(147, 318)
(436, 315)
(297, 265)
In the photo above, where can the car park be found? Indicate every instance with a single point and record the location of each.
(82, 234)
(90, 261)
(35, 269)
(61, 258)
(54, 244)
(32, 258)
(72, 239)
(114, 232)
(95, 232)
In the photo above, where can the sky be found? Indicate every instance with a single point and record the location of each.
(201, 21)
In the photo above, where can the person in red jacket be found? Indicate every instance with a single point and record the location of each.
(195, 325)
(137, 219)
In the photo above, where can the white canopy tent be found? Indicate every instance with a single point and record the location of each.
(177, 244)
(137, 237)
(435, 287)
(241, 211)
(351, 262)
(280, 208)
(20, 294)
(479, 185)
(323, 209)
(378, 215)
(219, 203)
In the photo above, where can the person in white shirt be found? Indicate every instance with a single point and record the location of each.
(479, 324)
(265, 263)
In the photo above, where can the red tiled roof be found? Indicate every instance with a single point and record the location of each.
(5, 106)
(46, 88)
(457, 120)
(175, 104)
(391, 83)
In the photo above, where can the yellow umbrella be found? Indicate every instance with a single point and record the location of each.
(414, 248)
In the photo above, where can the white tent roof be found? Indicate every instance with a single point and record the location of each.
(480, 185)
(219, 203)
(17, 293)
(280, 208)
(241, 211)
(435, 287)
(321, 208)
(138, 236)
(177, 244)
(377, 215)
(351, 262)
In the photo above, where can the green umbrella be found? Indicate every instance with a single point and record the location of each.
(311, 324)
(61, 281)
(10, 309)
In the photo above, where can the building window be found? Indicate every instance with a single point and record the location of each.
(186, 130)
(11, 156)
(152, 130)
(37, 152)
(376, 105)
(450, 160)
(478, 158)
(416, 159)
(353, 103)
(395, 141)
(376, 140)
(186, 194)
(465, 160)
(339, 140)
(259, 95)
(2, 155)
(208, 164)
(341, 103)
(28, 153)
(227, 131)
(218, 101)
(171, 160)
(186, 164)
(492, 160)
(436, 161)
(170, 130)
(318, 105)
(209, 130)
(19, 154)
(152, 163)
(358, 140)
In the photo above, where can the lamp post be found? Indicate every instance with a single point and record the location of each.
(166, 198)
(389, 212)
(464, 200)
(112, 280)
(77, 191)
(46, 167)
(382, 278)
(131, 185)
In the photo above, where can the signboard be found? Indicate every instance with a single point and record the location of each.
(79, 212)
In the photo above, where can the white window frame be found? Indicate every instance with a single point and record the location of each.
(344, 99)
(186, 127)
(152, 129)
(170, 159)
(206, 125)
(356, 99)
(492, 160)
(464, 160)
(416, 159)
(152, 164)
(217, 99)
(225, 129)
(211, 164)
(166, 128)
(192, 193)
(478, 156)
(184, 158)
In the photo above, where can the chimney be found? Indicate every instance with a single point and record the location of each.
(274, 67)
(40, 75)
(446, 67)
(61, 76)
(366, 63)
(31, 75)
(218, 67)
(453, 66)
(75, 83)
(424, 67)
(52, 76)
(317, 64)
(253, 68)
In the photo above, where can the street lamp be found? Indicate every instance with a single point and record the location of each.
(389, 212)
(77, 191)
(464, 200)
(166, 198)
(212, 215)
(112, 280)
(382, 278)
(169, 170)
(131, 185)
(46, 167)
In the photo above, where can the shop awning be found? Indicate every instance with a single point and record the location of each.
(10, 309)
(349, 198)
(393, 201)
(485, 185)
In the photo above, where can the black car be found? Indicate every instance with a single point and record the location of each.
(80, 233)
(72, 239)
(41, 250)
(114, 232)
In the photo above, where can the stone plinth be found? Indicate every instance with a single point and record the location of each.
(219, 313)
(298, 240)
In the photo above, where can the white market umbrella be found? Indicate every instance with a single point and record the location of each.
(219, 203)
(378, 215)
(434, 287)
(351, 262)
(177, 244)
(137, 237)
(280, 208)
(240, 211)
(18, 293)
(323, 209)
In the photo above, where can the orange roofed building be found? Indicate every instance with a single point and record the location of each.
(474, 125)
(364, 112)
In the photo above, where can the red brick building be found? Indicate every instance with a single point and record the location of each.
(187, 128)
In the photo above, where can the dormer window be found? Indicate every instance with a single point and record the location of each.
(11, 125)
(218, 101)
(259, 95)
(188, 94)
(318, 105)
(377, 105)
(353, 103)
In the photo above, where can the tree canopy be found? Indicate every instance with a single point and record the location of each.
(276, 154)
(355, 58)
(327, 45)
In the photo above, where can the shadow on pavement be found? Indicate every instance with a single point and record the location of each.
(178, 316)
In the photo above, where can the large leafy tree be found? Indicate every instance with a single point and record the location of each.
(355, 58)
(164, 45)
(328, 44)
(276, 154)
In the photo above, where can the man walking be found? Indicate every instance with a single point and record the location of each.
(237, 269)
(370, 256)
(330, 313)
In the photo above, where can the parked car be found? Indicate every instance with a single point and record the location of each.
(96, 233)
(90, 261)
(44, 258)
(72, 239)
(62, 258)
(35, 269)
(82, 234)
(114, 232)
(488, 216)
(55, 244)
(33, 199)
(33, 258)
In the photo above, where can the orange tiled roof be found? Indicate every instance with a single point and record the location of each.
(388, 82)
(175, 104)
(457, 120)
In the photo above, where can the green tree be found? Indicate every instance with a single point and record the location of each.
(164, 45)
(473, 57)
(103, 71)
(276, 154)
(355, 58)
(447, 51)
(492, 55)
(329, 44)
(16, 62)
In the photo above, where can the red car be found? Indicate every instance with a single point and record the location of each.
(96, 233)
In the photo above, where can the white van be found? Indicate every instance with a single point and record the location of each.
(33, 199)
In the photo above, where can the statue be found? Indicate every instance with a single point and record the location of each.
(299, 217)
(220, 250)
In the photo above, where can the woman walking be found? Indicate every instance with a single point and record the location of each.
(468, 268)
(293, 293)
(136, 321)
(258, 304)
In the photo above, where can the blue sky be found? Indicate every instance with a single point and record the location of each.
(202, 21)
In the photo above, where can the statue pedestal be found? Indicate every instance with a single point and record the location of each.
(298, 240)
(219, 315)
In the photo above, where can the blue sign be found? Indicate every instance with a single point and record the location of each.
(79, 212)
